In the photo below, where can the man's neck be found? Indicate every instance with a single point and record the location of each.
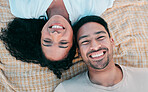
(57, 7)
(108, 77)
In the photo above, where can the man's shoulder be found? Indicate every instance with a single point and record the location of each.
(135, 73)
(75, 81)
(73, 84)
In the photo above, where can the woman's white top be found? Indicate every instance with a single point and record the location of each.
(75, 8)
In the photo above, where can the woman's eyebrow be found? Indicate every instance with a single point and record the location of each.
(46, 41)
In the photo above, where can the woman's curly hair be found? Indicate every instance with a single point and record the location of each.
(22, 38)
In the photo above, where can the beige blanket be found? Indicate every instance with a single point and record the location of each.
(128, 24)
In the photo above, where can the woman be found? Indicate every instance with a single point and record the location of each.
(51, 45)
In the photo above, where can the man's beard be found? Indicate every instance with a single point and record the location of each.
(99, 66)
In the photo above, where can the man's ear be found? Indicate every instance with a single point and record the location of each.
(112, 41)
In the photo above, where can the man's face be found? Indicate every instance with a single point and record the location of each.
(95, 46)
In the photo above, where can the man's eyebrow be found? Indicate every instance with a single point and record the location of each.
(83, 37)
(100, 32)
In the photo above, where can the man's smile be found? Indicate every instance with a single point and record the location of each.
(97, 55)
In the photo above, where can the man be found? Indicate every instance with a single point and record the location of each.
(96, 48)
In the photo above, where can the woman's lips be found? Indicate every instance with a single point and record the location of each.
(57, 26)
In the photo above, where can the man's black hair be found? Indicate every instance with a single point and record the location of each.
(87, 19)
(22, 38)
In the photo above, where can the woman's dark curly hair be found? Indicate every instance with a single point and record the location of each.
(22, 40)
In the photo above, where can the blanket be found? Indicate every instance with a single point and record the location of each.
(128, 25)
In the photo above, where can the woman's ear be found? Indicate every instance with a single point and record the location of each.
(79, 54)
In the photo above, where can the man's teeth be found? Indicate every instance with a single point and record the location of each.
(56, 26)
(97, 55)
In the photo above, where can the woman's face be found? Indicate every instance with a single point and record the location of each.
(56, 38)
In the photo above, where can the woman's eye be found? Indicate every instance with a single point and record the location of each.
(85, 42)
(63, 42)
(47, 41)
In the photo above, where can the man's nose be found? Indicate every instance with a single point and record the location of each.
(95, 45)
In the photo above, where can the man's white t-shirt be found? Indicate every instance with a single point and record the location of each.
(75, 8)
(134, 80)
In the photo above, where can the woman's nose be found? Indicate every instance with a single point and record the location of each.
(54, 32)
(55, 35)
